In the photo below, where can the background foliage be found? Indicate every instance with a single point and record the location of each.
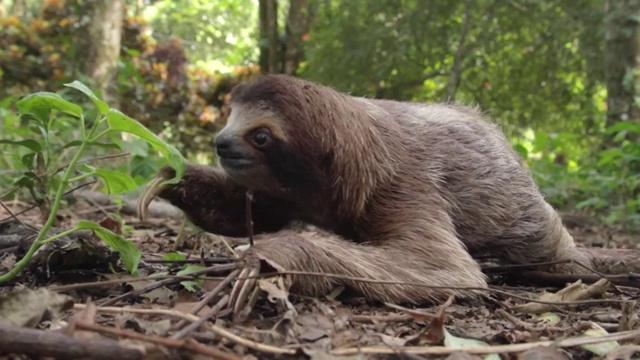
(539, 68)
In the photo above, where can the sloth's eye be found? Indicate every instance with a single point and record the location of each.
(261, 137)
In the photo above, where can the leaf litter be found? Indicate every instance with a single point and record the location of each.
(283, 325)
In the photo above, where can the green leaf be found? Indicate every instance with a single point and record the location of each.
(102, 106)
(191, 284)
(129, 254)
(41, 103)
(458, 342)
(28, 143)
(550, 318)
(602, 348)
(116, 182)
(173, 256)
(120, 122)
(27, 160)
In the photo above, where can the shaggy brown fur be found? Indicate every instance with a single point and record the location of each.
(401, 191)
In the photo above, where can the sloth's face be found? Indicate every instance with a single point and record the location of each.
(251, 138)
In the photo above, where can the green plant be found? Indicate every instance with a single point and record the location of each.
(43, 111)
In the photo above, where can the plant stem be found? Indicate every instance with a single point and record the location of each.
(59, 235)
(40, 240)
(80, 177)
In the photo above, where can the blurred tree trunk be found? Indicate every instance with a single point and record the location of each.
(3, 10)
(269, 45)
(18, 9)
(622, 59)
(278, 56)
(458, 56)
(100, 39)
(298, 24)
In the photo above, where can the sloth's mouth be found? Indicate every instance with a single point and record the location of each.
(236, 162)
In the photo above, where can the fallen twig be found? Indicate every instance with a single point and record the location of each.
(190, 317)
(211, 294)
(173, 343)
(210, 269)
(204, 317)
(419, 284)
(40, 343)
(491, 349)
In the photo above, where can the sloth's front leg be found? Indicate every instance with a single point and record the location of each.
(402, 271)
(213, 202)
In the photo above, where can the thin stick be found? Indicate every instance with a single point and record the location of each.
(249, 201)
(418, 284)
(493, 349)
(210, 269)
(211, 294)
(173, 343)
(190, 317)
(206, 316)
(16, 218)
(34, 206)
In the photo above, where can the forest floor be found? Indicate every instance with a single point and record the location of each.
(89, 306)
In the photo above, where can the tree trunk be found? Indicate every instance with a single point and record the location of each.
(18, 9)
(622, 59)
(298, 24)
(268, 14)
(100, 41)
(456, 68)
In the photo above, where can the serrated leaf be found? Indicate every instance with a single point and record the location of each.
(120, 122)
(191, 284)
(116, 182)
(129, 254)
(28, 143)
(102, 106)
(40, 104)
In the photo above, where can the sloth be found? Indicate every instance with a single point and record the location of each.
(407, 194)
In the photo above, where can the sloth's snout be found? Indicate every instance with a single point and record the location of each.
(223, 145)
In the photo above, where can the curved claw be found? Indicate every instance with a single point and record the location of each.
(242, 289)
(151, 191)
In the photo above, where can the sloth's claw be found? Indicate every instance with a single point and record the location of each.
(242, 289)
(151, 191)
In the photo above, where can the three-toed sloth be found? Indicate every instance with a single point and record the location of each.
(399, 192)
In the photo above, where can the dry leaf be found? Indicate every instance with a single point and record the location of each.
(543, 353)
(573, 292)
(27, 308)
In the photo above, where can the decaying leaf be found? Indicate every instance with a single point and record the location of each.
(313, 326)
(550, 318)
(158, 328)
(543, 353)
(602, 348)
(460, 355)
(458, 342)
(277, 291)
(27, 308)
(315, 354)
(573, 292)
(433, 333)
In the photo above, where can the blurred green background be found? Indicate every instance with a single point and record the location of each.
(560, 76)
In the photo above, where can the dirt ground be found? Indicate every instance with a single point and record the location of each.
(78, 293)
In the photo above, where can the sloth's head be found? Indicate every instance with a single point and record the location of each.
(267, 143)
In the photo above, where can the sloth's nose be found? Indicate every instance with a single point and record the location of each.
(225, 146)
